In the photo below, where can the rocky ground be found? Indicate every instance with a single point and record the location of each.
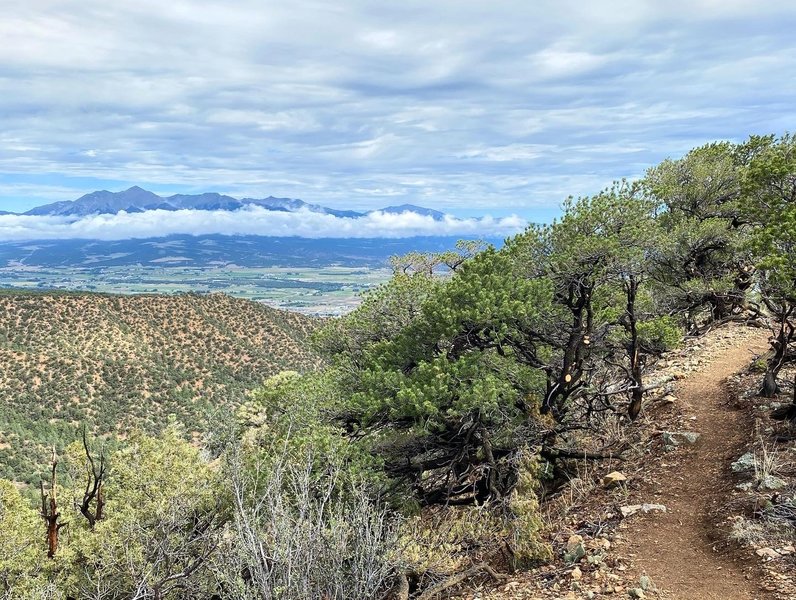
(702, 506)
(762, 510)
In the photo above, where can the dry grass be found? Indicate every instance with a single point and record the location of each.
(575, 494)
(769, 462)
(748, 532)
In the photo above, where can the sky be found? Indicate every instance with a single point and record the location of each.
(473, 108)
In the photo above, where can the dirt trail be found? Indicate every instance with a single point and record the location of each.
(683, 550)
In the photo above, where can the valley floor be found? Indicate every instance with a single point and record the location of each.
(328, 290)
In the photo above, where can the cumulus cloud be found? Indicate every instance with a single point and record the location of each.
(250, 221)
(446, 104)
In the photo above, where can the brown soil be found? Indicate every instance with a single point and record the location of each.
(683, 550)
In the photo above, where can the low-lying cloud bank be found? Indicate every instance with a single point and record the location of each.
(250, 221)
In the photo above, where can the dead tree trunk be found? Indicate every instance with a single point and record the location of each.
(49, 510)
(631, 326)
(489, 457)
(94, 492)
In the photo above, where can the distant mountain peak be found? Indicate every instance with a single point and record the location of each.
(137, 199)
(411, 208)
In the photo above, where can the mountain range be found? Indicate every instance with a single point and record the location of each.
(136, 200)
(211, 250)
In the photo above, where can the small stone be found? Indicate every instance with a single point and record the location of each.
(573, 541)
(680, 438)
(596, 558)
(645, 582)
(745, 463)
(769, 553)
(670, 398)
(614, 478)
(576, 574)
(745, 487)
(770, 482)
(575, 549)
(636, 593)
(511, 585)
(632, 509)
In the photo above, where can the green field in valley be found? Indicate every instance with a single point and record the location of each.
(324, 291)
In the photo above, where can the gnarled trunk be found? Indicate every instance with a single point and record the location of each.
(631, 326)
(576, 350)
(770, 386)
(49, 510)
(775, 363)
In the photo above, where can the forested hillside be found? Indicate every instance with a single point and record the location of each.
(467, 396)
(117, 363)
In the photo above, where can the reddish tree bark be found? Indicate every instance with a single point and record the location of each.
(49, 510)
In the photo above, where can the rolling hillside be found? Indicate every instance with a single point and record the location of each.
(121, 362)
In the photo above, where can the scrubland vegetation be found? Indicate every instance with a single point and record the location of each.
(120, 363)
(457, 394)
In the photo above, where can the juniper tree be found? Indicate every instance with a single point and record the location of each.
(770, 201)
(703, 266)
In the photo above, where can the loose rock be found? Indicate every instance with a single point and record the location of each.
(646, 583)
(680, 438)
(614, 478)
(769, 553)
(770, 482)
(743, 464)
(632, 509)
(575, 549)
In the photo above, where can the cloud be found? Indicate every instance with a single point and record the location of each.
(446, 104)
(250, 221)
